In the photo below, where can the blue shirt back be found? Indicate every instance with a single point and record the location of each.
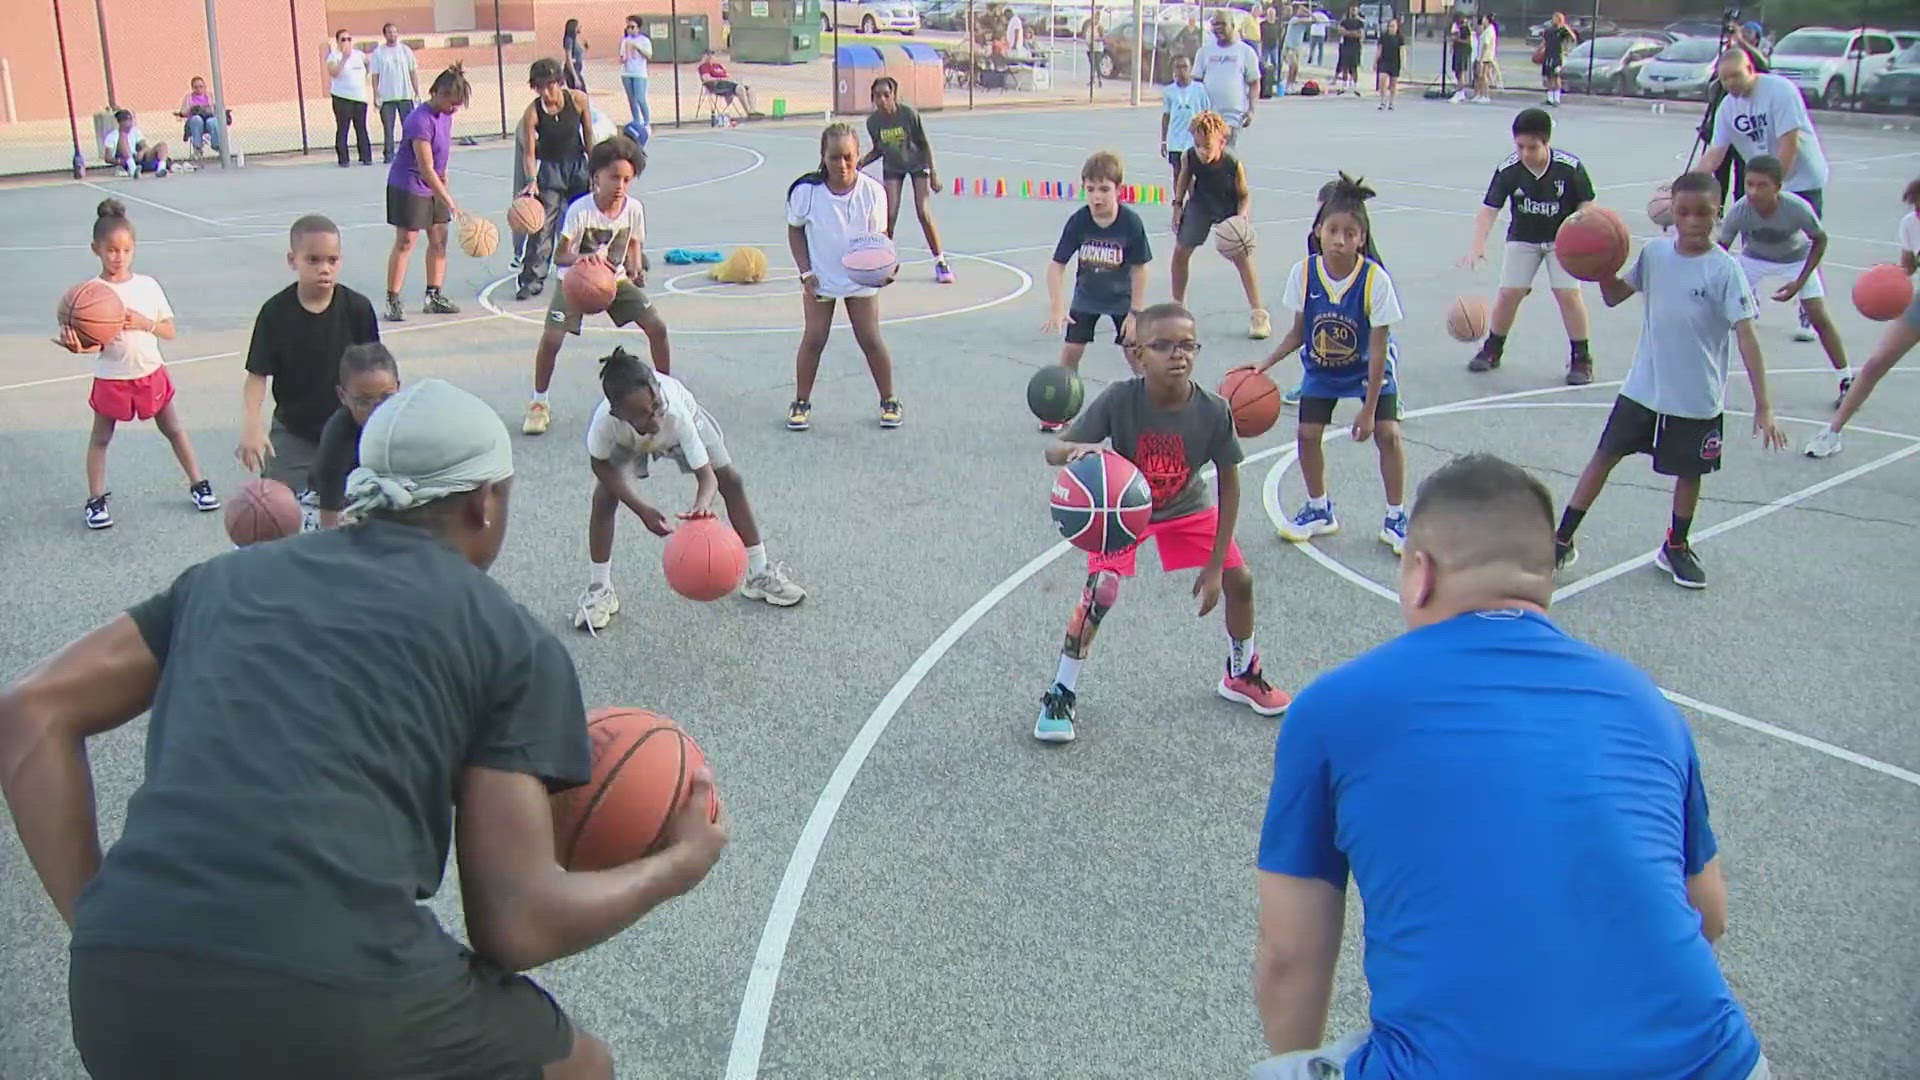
(1520, 812)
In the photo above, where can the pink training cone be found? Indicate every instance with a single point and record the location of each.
(959, 186)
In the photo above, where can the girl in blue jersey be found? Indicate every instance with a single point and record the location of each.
(1344, 307)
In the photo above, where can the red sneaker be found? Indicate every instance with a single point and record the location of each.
(1253, 690)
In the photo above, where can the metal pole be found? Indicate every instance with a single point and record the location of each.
(973, 65)
(106, 55)
(1593, 48)
(1853, 99)
(219, 89)
(673, 35)
(1139, 49)
(833, 98)
(299, 74)
(66, 79)
(500, 65)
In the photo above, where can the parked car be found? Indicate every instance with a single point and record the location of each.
(1684, 69)
(1898, 88)
(1164, 42)
(1609, 65)
(1822, 61)
(1584, 25)
(869, 16)
(1696, 28)
(1870, 73)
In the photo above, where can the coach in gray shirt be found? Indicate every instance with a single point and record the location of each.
(1765, 114)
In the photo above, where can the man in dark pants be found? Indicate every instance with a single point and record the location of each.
(556, 130)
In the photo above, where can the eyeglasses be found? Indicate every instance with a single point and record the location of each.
(1168, 348)
(367, 401)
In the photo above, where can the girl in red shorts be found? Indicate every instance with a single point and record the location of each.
(129, 378)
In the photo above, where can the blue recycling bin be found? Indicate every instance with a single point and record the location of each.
(856, 66)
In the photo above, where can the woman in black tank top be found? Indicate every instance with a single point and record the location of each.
(556, 130)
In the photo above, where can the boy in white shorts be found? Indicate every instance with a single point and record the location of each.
(1784, 242)
(645, 415)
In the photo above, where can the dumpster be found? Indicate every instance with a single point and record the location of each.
(677, 41)
(773, 31)
(921, 73)
(856, 66)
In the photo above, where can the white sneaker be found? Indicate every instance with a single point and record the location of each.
(597, 607)
(1483, 100)
(1805, 333)
(774, 586)
(1826, 444)
(1459, 97)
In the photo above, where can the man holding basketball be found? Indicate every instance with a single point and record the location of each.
(260, 914)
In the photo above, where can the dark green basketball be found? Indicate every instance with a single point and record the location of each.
(1054, 394)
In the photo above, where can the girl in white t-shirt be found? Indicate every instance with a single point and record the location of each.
(129, 378)
(826, 209)
(636, 48)
(643, 417)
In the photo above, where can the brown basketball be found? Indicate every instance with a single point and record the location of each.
(526, 215)
(260, 511)
(1593, 244)
(94, 311)
(1660, 206)
(643, 767)
(589, 287)
(478, 236)
(1233, 238)
(1254, 399)
(1467, 318)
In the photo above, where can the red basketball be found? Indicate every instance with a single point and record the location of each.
(1254, 399)
(1883, 292)
(260, 511)
(705, 559)
(1101, 503)
(590, 287)
(94, 311)
(1593, 244)
(643, 767)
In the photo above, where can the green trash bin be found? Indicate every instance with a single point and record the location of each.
(773, 31)
(677, 41)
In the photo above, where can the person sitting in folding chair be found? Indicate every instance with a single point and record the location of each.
(714, 78)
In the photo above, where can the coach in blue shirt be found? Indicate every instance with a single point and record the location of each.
(1524, 817)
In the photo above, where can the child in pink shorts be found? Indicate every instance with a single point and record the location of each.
(1169, 427)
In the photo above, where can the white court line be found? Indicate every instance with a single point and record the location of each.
(1793, 737)
(148, 202)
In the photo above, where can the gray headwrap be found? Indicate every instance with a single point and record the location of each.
(427, 442)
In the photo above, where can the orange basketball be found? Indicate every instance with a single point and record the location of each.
(478, 236)
(1593, 243)
(1883, 292)
(705, 559)
(590, 287)
(1254, 399)
(643, 767)
(526, 215)
(94, 311)
(260, 511)
(1467, 318)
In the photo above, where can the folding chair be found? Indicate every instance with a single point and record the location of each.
(732, 102)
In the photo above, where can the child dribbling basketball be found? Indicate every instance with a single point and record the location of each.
(643, 416)
(417, 195)
(1212, 188)
(1901, 335)
(369, 375)
(1782, 240)
(1344, 309)
(130, 380)
(900, 143)
(826, 210)
(605, 226)
(1110, 243)
(1169, 427)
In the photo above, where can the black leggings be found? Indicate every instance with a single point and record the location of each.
(347, 111)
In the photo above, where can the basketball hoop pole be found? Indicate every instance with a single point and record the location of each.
(66, 79)
(219, 88)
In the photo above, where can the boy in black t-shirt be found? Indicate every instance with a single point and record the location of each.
(297, 341)
(368, 376)
(899, 139)
(1543, 187)
(1110, 243)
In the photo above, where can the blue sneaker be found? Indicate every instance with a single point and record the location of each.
(1292, 396)
(1056, 716)
(1309, 523)
(1393, 532)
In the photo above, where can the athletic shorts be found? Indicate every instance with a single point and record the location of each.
(1816, 198)
(1760, 271)
(1082, 324)
(1550, 67)
(1522, 264)
(1329, 1062)
(1349, 58)
(1197, 223)
(1679, 445)
(140, 1015)
(630, 305)
(635, 463)
(1185, 542)
(1319, 410)
(405, 210)
(293, 457)
(889, 174)
(127, 400)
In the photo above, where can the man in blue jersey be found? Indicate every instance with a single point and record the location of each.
(1524, 817)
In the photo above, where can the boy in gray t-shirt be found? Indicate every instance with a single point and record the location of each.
(1670, 405)
(1784, 240)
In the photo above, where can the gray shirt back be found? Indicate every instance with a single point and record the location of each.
(1785, 237)
(1168, 445)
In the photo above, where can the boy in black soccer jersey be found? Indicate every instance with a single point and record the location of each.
(1543, 187)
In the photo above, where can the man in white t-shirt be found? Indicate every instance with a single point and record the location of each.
(1230, 68)
(1317, 36)
(127, 150)
(396, 84)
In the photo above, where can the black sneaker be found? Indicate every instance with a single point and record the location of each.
(203, 497)
(1846, 384)
(1580, 371)
(529, 290)
(1484, 360)
(438, 304)
(97, 515)
(800, 416)
(1564, 554)
(395, 313)
(1055, 723)
(1679, 561)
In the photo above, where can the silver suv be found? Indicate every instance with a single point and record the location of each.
(1824, 62)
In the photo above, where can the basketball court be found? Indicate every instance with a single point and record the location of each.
(916, 888)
